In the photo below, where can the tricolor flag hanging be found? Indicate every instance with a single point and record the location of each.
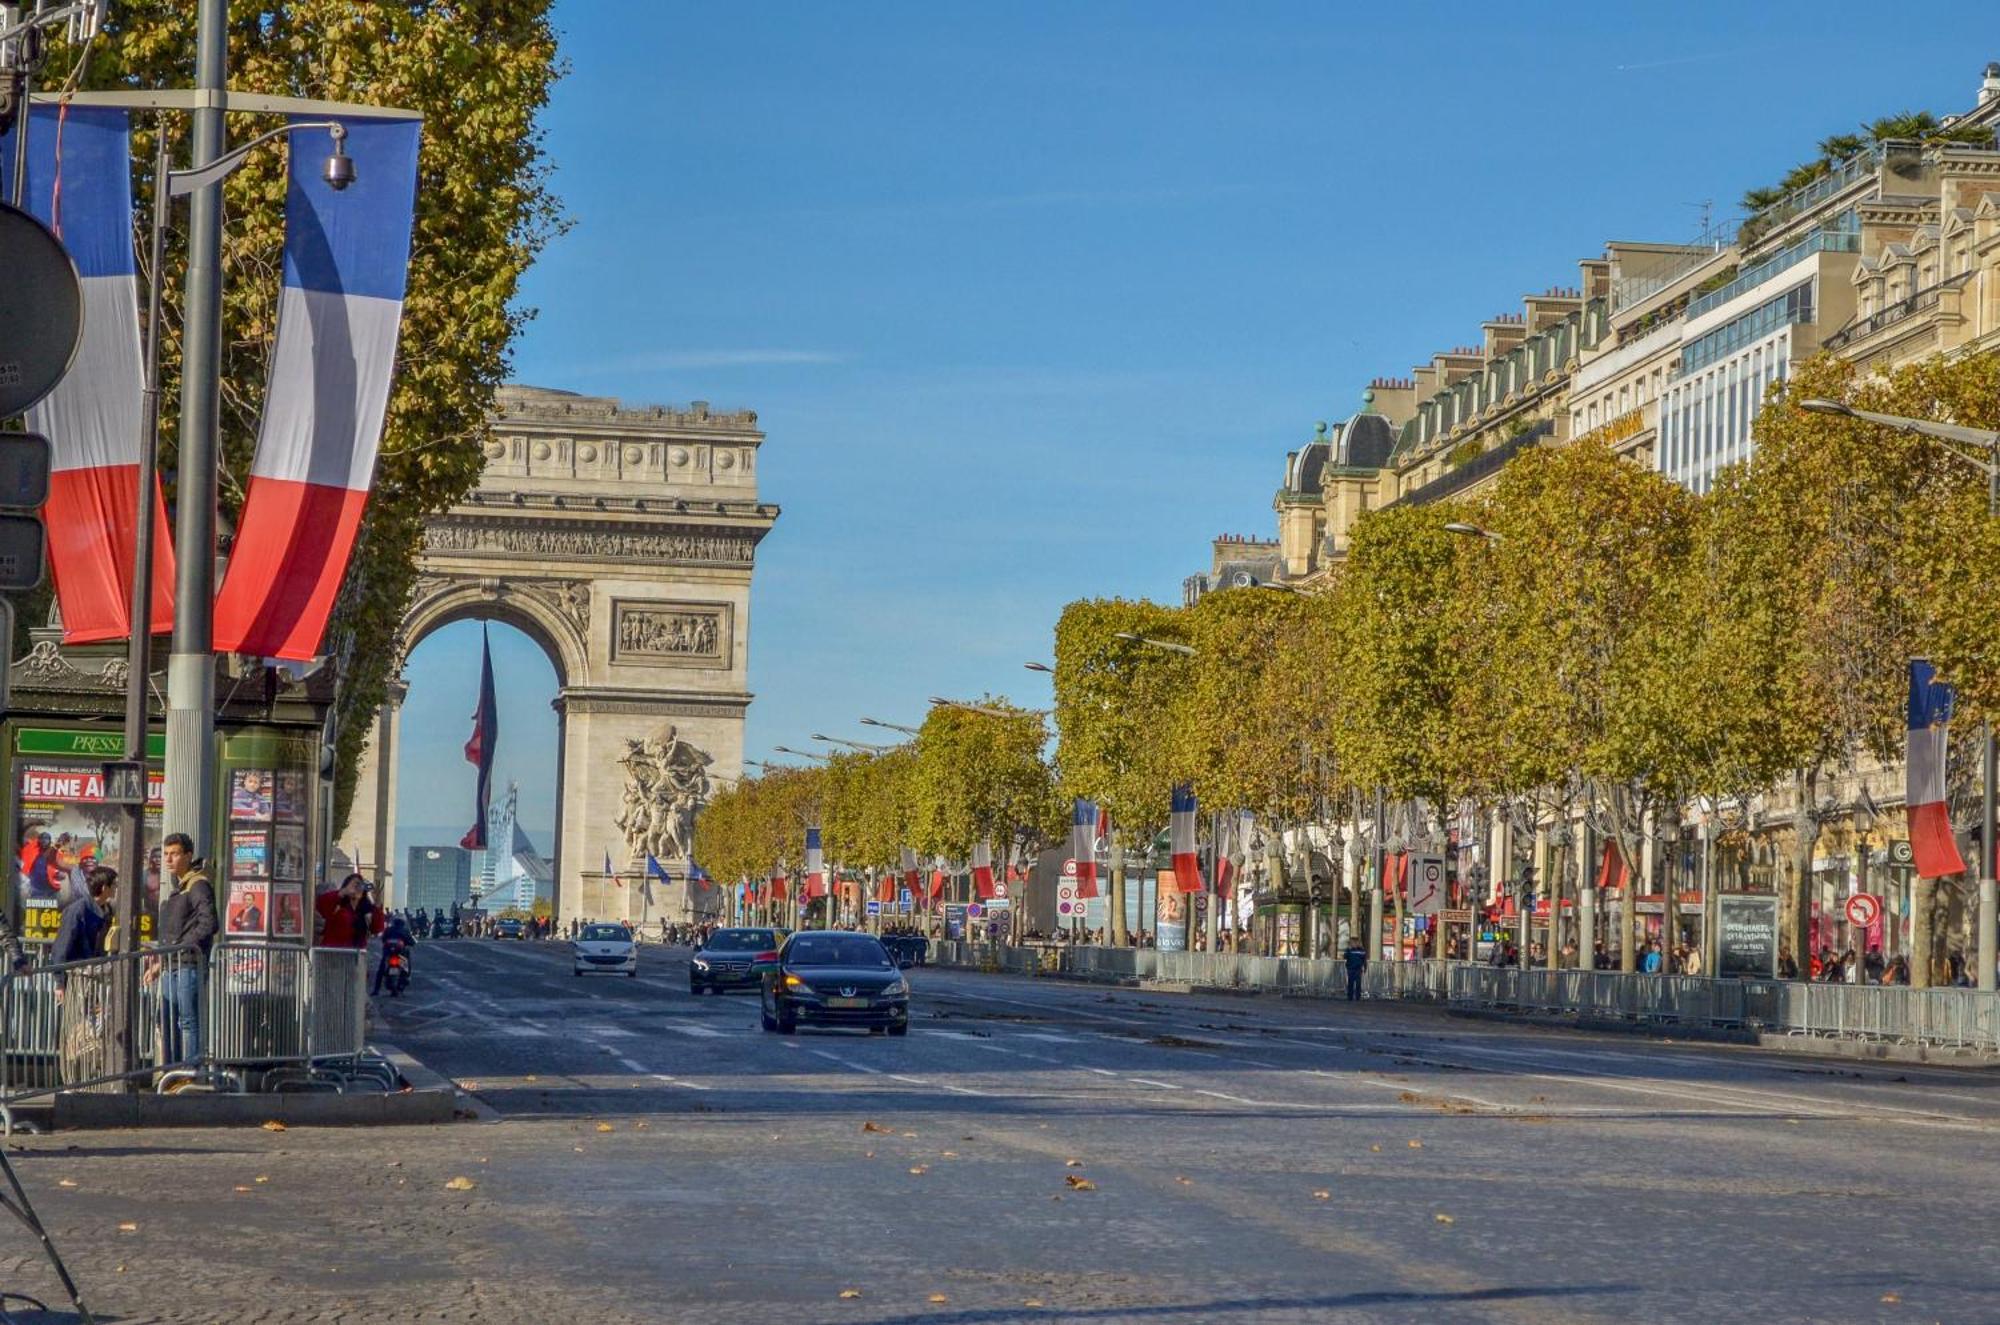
(937, 879)
(1225, 846)
(1083, 847)
(885, 888)
(912, 874)
(815, 868)
(347, 257)
(80, 186)
(479, 750)
(654, 870)
(777, 889)
(1187, 864)
(982, 870)
(1611, 872)
(1932, 846)
(700, 877)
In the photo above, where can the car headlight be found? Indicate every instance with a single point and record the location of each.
(899, 988)
(700, 965)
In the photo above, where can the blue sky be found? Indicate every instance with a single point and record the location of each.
(1032, 298)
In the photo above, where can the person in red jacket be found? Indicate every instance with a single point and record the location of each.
(349, 916)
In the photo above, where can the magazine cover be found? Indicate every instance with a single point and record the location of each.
(250, 795)
(249, 854)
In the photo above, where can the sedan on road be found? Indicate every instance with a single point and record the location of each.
(729, 960)
(509, 928)
(606, 948)
(833, 978)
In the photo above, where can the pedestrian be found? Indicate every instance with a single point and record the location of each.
(86, 922)
(1356, 958)
(1649, 960)
(346, 915)
(187, 928)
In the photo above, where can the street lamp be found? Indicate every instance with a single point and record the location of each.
(857, 745)
(1040, 667)
(1958, 435)
(892, 726)
(939, 701)
(1186, 650)
(802, 754)
(1471, 531)
(168, 185)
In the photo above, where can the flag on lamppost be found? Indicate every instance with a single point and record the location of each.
(1187, 865)
(654, 870)
(340, 307)
(1083, 847)
(982, 869)
(815, 866)
(479, 749)
(79, 184)
(1932, 848)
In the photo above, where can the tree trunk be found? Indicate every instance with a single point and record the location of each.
(1798, 919)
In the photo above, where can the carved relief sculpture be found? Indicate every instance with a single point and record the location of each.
(666, 784)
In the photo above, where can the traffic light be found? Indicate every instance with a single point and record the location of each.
(24, 486)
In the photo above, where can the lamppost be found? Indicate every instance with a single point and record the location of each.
(1989, 821)
(168, 185)
(892, 726)
(800, 754)
(853, 745)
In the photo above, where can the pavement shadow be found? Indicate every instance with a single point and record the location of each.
(1224, 1308)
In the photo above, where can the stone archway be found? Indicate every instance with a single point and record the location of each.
(622, 541)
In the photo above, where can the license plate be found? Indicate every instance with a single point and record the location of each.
(847, 1002)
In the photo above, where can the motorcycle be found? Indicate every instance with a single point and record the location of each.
(397, 959)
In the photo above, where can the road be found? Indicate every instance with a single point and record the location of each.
(643, 1155)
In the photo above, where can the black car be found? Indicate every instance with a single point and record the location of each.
(908, 949)
(834, 978)
(509, 928)
(729, 960)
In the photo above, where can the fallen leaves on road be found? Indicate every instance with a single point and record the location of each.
(1376, 1149)
(606, 1127)
(531, 1077)
(868, 1154)
(937, 1297)
(1416, 1145)
(1185, 1182)
(1072, 1163)
(128, 1227)
(1322, 1194)
(241, 1188)
(850, 1292)
(1443, 1219)
(1891, 1297)
(468, 1085)
(1031, 1302)
(274, 1126)
(263, 1177)
(1409, 1097)
(460, 1184)
(920, 1168)
(949, 1154)
(873, 1127)
(67, 1182)
(1078, 1183)
(640, 1126)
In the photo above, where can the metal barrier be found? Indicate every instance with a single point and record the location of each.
(1954, 1018)
(70, 1027)
(251, 1016)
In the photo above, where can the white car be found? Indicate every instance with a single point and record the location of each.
(606, 948)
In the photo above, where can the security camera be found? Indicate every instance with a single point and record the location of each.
(339, 171)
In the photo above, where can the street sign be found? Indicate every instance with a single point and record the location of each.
(1426, 886)
(124, 782)
(1901, 855)
(874, 907)
(1069, 906)
(974, 910)
(41, 311)
(1863, 910)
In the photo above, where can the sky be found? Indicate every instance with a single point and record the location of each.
(1031, 299)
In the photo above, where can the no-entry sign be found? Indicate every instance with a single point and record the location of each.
(1863, 909)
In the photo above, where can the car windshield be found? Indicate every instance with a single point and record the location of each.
(742, 940)
(605, 934)
(836, 950)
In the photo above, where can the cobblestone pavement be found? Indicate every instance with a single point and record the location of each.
(1042, 1151)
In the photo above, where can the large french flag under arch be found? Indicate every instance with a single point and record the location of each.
(347, 257)
(80, 185)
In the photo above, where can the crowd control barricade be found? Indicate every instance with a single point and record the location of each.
(88, 1025)
(284, 1017)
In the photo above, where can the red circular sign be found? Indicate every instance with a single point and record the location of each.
(1863, 909)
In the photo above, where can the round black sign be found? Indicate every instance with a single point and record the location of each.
(41, 311)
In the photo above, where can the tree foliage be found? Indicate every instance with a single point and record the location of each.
(1115, 708)
(981, 777)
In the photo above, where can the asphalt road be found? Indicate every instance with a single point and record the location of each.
(644, 1155)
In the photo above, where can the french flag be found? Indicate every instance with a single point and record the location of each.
(80, 186)
(982, 870)
(815, 868)
(885, 888)
(1180, 831)
(777, 890)
(912, 874)
(479, 753)
(1931, 844)
(347, 256)
(1083, 847)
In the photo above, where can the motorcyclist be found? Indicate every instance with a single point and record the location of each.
(396, 938)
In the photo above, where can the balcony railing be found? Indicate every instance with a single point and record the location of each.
(1461, 477)
(1819, 241)
(1888, 317)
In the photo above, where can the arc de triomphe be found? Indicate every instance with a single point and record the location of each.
(622, 541)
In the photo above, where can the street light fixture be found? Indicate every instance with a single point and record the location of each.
(802, 754)
(1989, 817)
(1040, 667)
(939, 701)
(858, 745)
(892, 726)
(1472, 531)
(1186, 650)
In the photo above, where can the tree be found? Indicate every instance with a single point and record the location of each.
(982, 778)
(480, 71)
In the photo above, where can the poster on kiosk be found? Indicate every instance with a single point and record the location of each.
(63, 826)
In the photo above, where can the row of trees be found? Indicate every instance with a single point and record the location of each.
(970, 775)
(1588, 641)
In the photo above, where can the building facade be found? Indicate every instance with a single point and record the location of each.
(439, 878)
